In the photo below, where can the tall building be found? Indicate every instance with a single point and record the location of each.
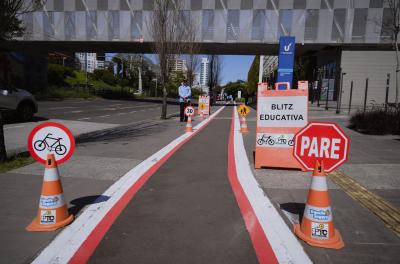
(204, 72)
(92, 61)
(180, 66)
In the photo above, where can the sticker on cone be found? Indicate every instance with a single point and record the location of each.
(53, 212)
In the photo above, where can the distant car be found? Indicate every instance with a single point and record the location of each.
(21, 102)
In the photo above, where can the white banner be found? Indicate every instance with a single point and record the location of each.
(282, 111)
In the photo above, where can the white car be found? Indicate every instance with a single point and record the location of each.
(18, 100)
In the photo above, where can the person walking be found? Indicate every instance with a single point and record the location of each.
(184, 99)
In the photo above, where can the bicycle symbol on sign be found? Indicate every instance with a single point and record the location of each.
(271, 141)
(59, 148)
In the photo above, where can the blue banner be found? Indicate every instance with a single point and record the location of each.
(286, 60)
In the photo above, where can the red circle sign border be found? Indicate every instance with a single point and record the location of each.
(339, 130)
(46, 124)
(191, 108)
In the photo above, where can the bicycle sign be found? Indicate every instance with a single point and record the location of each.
(51, 138)
(189, 111)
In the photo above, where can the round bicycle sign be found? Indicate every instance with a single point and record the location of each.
(189, 111)
(51, 138)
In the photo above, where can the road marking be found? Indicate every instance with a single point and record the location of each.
(77, 242)
(387, 212)
(63, 107)
(121, 113)
(10, 127)
(132, 112)
(84, 118)
(74, 112)
(105, 116)
(272, 239)
(108, 109)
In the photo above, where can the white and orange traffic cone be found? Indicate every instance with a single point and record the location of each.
(202, 115)
(53, 212)
(189, 127)
(243, 125)
(317, 227)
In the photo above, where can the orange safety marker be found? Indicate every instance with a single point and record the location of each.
(317, 227)
(243, 111)
(189, 127)
(53, 212)
(243, 125)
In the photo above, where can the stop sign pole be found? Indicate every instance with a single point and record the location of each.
(322, 142)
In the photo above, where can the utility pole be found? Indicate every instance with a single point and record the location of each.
(140, 90)
(261, 69)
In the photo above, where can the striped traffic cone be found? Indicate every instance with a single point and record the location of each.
(189, 127)
(243, 125)
(53, 212)
(317, 227)
(201, 115)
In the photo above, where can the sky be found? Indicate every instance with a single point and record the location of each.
(234, 67)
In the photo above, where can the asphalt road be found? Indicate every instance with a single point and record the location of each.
(101, 111)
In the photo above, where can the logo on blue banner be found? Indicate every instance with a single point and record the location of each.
(286, 60)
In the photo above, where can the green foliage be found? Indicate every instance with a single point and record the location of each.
(56, 74)
(56, 93)
(377, 121)
(105, 76)
(16, 162)
(252, 77)
(232, 88)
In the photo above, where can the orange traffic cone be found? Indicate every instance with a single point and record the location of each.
(201, 115)
(243, 125)
(53, 212)
(317, 227)
(189, 127)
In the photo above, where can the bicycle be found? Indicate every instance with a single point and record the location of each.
(266, 140)
(40, 145)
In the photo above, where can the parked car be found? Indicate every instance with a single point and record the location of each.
(22, 103)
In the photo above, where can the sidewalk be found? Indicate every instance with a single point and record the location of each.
(374, 162)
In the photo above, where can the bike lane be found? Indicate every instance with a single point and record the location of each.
(186, 212)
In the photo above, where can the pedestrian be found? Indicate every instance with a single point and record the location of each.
(184, 99)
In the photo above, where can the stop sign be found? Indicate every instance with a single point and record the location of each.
(321, 141)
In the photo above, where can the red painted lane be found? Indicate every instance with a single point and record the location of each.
(264, 251)
(87, 248)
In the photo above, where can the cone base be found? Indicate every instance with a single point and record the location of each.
(244, 130)
(188, 130)
(34, 226)
(335, 242)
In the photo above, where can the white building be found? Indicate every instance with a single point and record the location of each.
(92, 62)
(204, 72)
(179, 66)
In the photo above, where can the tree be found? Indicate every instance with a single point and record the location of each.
(10, 10)
(167, 31)
(252, 76)
(392, 26)
(11, 27)
(215, 66)
(192, 48)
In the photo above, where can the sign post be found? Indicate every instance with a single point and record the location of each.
(286, 60)
(206, 101)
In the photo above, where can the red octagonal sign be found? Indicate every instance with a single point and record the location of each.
(321, 141)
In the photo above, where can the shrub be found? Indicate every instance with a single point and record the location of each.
(105, 76)
(56, 74)
(377, 121)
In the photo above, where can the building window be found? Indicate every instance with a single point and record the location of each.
(69, 20)
(257, 32)
(311, 26)
(339, 18)
(326, 4)
(221, 4)
(359, 23)
(233, 29)
(285, 22)
(113, 25)
(136, 25)
(48, 25)
(91, 22)
(208, 24)
(299, 4)
(387, 25)
(376, 3)
(246, 4)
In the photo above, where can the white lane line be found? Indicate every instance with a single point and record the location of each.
(131, 112)
(121, 113)
(105, 116)
(84, 118)
(286, 247)
(108, 109)
(12, 127)
(74, 112)
(70, 239)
